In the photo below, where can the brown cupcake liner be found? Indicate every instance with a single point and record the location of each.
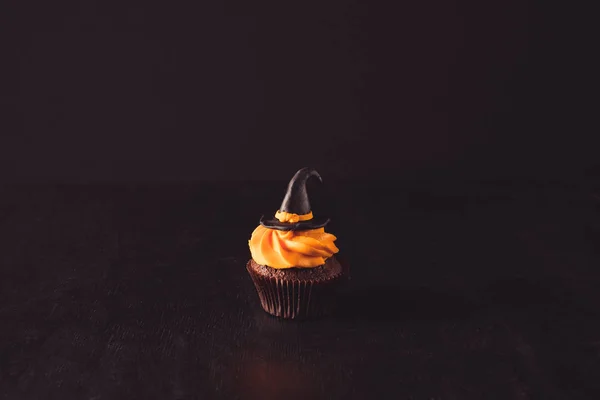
(296, 299)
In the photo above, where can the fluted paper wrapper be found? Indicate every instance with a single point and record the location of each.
(296, 299)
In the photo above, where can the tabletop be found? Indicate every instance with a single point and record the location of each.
(139, 291)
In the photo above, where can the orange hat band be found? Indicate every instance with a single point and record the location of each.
(291, 218)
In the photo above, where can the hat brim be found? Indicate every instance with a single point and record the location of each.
(314, 223)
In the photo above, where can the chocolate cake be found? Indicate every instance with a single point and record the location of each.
(293, 265)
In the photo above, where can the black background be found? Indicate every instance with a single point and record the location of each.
(458, 147)
(104, 91)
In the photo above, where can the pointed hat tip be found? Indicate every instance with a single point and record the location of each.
(308, 172)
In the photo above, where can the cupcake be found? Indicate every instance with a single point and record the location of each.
(293, 265)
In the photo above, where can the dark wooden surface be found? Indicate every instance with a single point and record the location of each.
(140, 292)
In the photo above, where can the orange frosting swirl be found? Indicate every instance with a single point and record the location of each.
(287, 249)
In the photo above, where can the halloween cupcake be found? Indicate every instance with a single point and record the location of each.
(293, 265)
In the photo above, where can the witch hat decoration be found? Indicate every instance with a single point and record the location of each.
(294, 213)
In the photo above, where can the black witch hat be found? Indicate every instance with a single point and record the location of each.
(296, 202)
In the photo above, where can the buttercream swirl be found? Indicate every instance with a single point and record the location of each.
(287, 249)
